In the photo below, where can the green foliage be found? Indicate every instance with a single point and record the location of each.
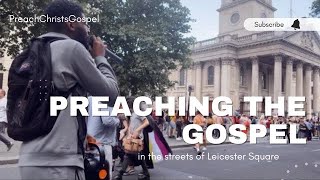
(315, 8)
(147, 34)
(15, 35)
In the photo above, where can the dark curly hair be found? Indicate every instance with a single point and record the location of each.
(59, 8)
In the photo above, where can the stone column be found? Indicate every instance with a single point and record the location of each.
(289, 73)
(225, 77)
(299, 81)
(236, 100)
(198, 82)
(277, 77)
(288, 83)
(217, 78)
(255, 77)
(308, 90)
(316, 88)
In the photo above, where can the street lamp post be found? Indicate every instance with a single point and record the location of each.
(190, 89)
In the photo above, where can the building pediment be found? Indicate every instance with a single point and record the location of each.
(307, 40)
(237, 3)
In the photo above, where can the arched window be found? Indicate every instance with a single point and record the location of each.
(242, 76)
(264, 80)
(182, 77)
(210, 75)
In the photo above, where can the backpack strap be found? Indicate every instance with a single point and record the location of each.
(82, 125)
(82, 133)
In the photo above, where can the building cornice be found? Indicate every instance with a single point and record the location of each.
(280, 40)
(214, 47)
(297, 47)
(254, 44)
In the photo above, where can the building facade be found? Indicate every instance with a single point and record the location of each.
(5, 63)
(240, 63)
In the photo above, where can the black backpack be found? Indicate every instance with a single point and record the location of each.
(30, 87)
(96, 166)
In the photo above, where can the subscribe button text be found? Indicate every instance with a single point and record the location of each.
(282, 24)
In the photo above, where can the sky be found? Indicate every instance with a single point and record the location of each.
(207, 18)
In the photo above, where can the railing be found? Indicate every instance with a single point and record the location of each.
(265, 34)
(244, 38)
(207, 42)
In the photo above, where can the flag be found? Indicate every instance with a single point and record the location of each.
(157, 144)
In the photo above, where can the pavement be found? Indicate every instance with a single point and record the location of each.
(12, 156)
(260, 161)
(293, 162)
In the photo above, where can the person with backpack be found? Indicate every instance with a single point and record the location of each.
(57, 63)
(104, 130)
(3, 120)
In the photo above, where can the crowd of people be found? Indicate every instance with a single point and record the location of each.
(172, 126)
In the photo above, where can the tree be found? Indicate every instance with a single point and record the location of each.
(147, 34)
(315, 8)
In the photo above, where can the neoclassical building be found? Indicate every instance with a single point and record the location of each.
(240, 63)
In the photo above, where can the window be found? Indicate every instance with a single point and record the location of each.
(264, 80)
(182, 79)
(241, 76)
(210, 75)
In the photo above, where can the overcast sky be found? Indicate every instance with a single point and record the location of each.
(207, 19)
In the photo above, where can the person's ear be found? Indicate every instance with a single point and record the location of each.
(70, 26)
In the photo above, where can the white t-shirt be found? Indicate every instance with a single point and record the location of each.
(3, 109)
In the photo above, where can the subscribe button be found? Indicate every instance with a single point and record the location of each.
(282, 24)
